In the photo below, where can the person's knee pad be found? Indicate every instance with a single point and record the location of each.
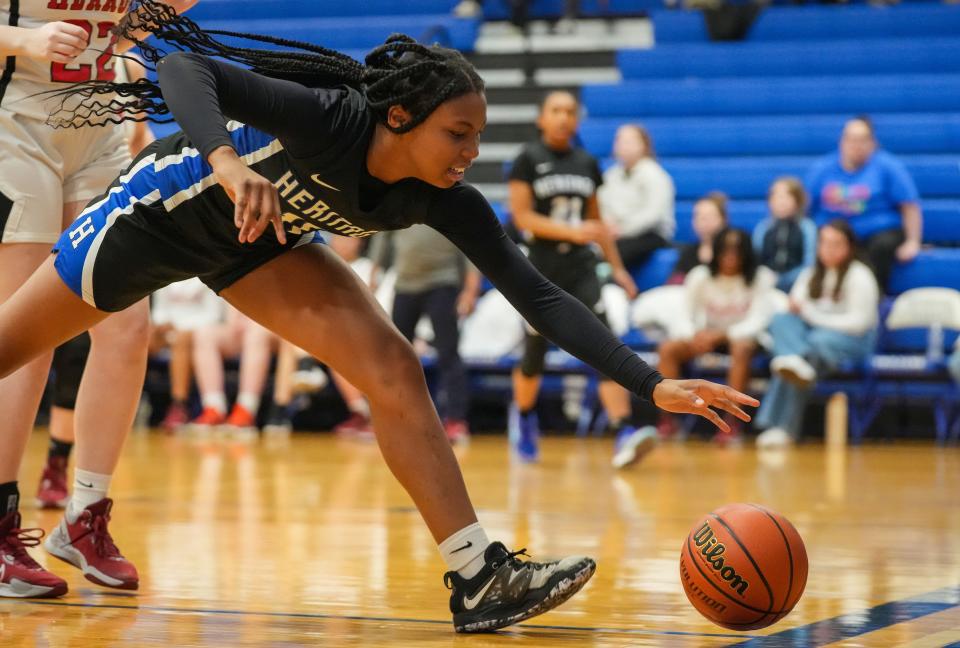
(534, 352)
(68, 362)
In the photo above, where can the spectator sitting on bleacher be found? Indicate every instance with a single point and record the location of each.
(637, 197)
(874, 191)
(709, 217)
(729, 304)
(786, 240)
(832, 321)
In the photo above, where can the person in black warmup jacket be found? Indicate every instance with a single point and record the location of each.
(321, 142)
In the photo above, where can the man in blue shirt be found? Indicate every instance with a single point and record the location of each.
(874, 191)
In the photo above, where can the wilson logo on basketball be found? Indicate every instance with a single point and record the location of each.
(711, 548)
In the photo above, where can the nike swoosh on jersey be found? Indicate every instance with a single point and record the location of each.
(543, 167)
(315, 177)
(470, 602)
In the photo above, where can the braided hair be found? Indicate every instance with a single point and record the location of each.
(399, 72)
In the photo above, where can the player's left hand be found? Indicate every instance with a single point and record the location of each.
(698, 396)
(625, 281)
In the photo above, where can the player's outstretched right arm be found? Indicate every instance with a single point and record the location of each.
(465, 218)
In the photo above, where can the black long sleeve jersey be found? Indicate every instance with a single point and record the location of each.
(312, 144)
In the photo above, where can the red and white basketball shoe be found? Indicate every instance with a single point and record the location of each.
(87, 544)
(20, 575)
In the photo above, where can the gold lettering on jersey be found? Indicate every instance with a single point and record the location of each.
(286, 184)
(301, 197)
(318, 208)
(312, 212)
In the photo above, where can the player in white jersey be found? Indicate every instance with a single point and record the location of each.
(46, 177)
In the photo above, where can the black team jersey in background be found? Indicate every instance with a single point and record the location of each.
(562, 182)
(319, 165)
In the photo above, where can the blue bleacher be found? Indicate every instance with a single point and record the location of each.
(750, 177)
(748, 59)
(498, 9)
(815, 23)
(355, 33)
(656, 270)
(259, 10)
(774, 95)
(937, 267)
(777, 135)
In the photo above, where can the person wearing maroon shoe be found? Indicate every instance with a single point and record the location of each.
(82, 539)
(46, 179)
(20, 575)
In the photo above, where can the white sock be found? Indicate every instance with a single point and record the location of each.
(88, 488)
(249, 401)
(463, 551)
(216, 400)
(361, 407)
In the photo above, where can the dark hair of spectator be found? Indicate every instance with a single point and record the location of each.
(649, 150)
(739, 240)
(820, 271)
(552, 93)
(719, 200)
(866, 121)
(795, 187)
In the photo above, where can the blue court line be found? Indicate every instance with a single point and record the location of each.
(350, 617)
(855, 624)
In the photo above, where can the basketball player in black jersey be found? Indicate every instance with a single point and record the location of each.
(327, 144)
(553, 199)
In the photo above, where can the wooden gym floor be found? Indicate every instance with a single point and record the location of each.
(310, 541)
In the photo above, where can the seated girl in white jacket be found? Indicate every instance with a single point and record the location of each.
(729, 303)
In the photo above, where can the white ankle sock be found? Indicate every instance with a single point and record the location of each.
(463, 551)
(249, 401)
(216, 400)
(88, 488)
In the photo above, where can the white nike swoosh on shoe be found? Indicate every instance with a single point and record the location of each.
(470, 602)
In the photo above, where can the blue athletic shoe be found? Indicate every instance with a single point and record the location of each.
(632, 445)
(524, 433)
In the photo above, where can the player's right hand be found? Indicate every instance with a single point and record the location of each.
(698, 396)
(59, 42)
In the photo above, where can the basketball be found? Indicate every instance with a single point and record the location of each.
(743, 566)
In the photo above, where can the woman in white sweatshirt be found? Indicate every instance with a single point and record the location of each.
(832, 321)
(637, 197)
(729, 303)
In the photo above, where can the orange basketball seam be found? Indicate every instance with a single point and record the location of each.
(786, 543)
(749, 556)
